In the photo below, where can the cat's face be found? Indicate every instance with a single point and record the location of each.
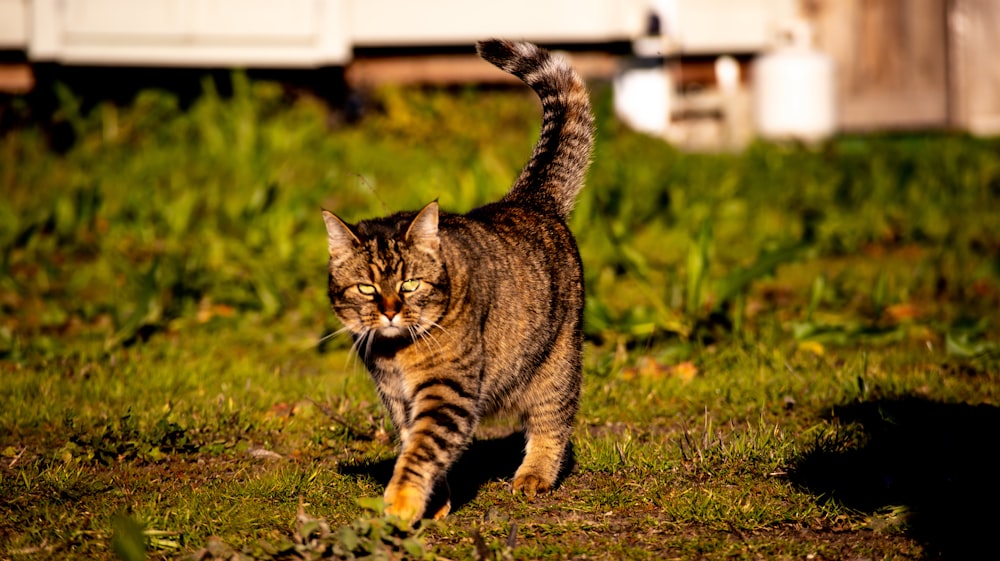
(386, 276)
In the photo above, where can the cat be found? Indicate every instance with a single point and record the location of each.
(462, 317)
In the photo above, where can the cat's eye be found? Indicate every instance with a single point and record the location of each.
(409, 285)
(366, 289)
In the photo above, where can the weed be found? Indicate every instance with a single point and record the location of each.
(313, 538)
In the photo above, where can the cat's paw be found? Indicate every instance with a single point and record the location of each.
(405, 502)
(531, 484)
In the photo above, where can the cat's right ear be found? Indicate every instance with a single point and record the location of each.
(339, 235)
(423, 231)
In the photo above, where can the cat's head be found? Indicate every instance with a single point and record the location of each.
(387, 276)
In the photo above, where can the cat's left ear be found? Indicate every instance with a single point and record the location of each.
(338, 235)
(423, 231)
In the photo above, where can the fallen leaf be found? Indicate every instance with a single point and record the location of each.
(648, 368)
(902, 312)
(279, 410)
(686, 371)
(814, 347)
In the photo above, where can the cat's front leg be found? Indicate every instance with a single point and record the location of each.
(442, 422)
(397, 412)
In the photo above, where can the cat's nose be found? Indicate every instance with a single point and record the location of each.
(390, 308)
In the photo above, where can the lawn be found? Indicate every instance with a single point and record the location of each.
(792, 352)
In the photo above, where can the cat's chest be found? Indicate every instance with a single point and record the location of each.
(395, 376)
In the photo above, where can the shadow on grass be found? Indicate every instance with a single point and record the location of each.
(486, 460)
(936, 460)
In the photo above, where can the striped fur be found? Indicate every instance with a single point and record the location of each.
(461, 317)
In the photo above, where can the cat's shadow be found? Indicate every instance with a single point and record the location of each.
(929, 463)
(486, 460)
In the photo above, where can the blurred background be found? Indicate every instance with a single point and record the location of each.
(704, 74)
(164, 161)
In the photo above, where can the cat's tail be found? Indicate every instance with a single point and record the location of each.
(554, 175)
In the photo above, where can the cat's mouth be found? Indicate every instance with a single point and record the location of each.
(394, 326)
(399, 329)
(391, 332)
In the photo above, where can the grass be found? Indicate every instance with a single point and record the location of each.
(792, 352)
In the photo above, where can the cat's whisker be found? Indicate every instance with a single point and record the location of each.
(331, 335)
(361, 341)
(430, 334)
(426, 334)
(368, 345)
(352, 355)
(427, 337)
(411, 330)
(437, 325)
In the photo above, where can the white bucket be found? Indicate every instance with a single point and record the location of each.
(643, 89)
(794, 93)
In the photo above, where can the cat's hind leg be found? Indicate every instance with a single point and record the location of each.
(440, 503)
(551, 403)
(542, 463)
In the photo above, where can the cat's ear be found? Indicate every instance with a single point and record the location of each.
(423, 231)
(338, 235)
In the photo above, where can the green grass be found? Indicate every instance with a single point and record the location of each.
(791, 352)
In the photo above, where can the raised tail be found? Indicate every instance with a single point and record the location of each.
(554, 175)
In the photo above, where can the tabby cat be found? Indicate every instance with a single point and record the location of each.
(460, 317)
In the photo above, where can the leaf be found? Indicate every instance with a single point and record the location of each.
(823, 334)
(348, 538)
(697, 269)
(765, 265)
(414, 547)
(960, 346)
(148, 308)
(308, 528)
(163, 543)
(127, 539)
(374, 504)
